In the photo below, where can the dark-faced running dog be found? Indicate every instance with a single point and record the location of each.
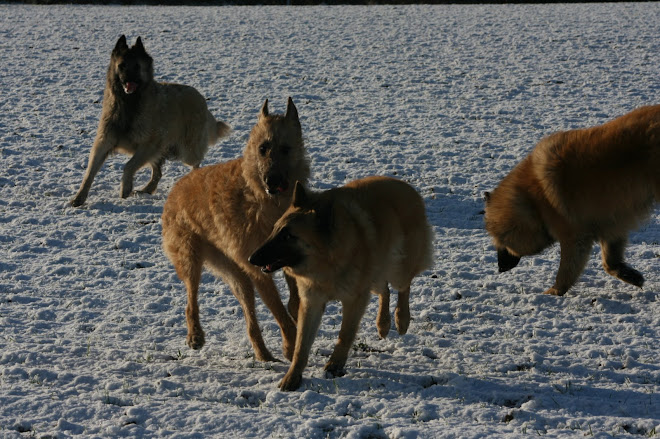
(578, 187)
(151, 122)
(342, 244)
(218, 215)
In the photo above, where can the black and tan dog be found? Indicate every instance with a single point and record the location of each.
(578, 187)
(150, 121)
(342, 244)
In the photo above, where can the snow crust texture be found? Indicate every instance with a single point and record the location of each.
(448, 98)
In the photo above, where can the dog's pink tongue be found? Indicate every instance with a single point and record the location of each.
(130, 87)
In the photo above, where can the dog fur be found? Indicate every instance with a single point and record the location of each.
(151, 122)
(578, 187)
(342, 244)
(218, 215)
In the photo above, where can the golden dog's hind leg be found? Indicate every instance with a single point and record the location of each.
(613, 262)
(402, 312)
(383, 320)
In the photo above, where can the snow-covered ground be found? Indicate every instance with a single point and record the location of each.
(449, 98)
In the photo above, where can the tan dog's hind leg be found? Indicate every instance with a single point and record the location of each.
(613, 262)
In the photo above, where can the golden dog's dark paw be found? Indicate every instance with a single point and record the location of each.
(195, 341)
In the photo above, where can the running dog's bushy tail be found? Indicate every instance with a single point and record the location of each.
(217, 130)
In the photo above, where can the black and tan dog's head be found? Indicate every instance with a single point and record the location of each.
(131, 68)
(515, 225)
(301, 237)
(275, 157)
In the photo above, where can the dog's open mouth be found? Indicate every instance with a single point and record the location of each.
(130, 87)
(279, 188)
(273, 266)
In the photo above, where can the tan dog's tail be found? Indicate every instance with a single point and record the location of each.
(217, 129)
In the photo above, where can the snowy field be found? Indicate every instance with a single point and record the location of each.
(449, 98)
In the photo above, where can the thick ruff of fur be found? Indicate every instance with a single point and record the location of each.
(218, 215)
(578, 187)
(151, 122)
(341, 245)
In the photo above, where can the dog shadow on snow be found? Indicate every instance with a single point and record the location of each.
(520, 398)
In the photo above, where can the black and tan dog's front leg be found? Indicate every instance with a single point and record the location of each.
(103, 146)
(309, 320)
(351, 314)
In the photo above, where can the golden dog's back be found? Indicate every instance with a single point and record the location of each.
(610, 172)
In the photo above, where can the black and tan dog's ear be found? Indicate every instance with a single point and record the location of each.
(300, 197)
(325, 218)
(486, 197)
(264, 110)
(291, 111)
(138, 45)
(121, 45)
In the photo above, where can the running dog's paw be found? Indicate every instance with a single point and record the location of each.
(628, 274)
(334, 369)
(195, 341)
(290, 382)
(554, 292)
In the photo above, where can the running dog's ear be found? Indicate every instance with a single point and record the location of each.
(121, 45)
(291, 111)
(300, 197)
(138, 45)
(264, 110)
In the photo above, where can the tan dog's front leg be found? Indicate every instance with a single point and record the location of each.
(351, 314)
(309, 319)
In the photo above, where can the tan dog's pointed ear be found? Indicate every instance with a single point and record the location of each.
(121, 44)
(264, 110)
(291, 111)
(299, 195)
